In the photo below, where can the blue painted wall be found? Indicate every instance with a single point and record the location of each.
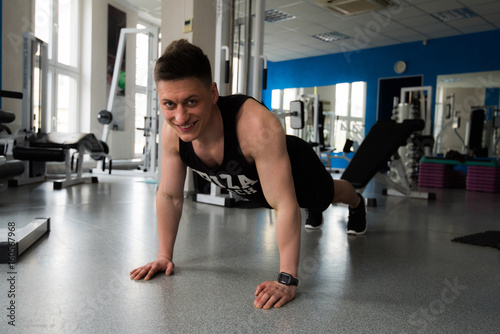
(467, 53)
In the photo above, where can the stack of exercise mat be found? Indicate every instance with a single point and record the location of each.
(440, 175)
(472, 174)
(483, 178)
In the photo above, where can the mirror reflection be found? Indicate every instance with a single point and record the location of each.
(466, 114)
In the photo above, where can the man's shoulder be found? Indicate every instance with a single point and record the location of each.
(253, 113)
(232, 101)
(256, 125)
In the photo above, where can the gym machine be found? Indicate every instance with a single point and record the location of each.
(495, 126)
(310, 128)
(246, 35)
(150, 128)
(315, 131)
(415, 103)
(296, 114)
(8, 167)
(34, 144)
(399, 141)
(314, 135)
(35, 117)
(453, 115)
(481, 136)
(13, 241)
(238, 49)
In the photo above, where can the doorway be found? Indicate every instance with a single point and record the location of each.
(388, 89)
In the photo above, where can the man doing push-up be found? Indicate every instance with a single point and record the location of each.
(240, 145)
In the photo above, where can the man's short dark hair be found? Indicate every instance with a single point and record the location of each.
(181, 60)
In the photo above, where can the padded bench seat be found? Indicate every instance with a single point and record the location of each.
(86, 141)
(11, 168)
(56, 146)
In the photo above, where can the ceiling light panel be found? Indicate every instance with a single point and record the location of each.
(356, 7)
(275, 15)
(331, 36)
(454, 14)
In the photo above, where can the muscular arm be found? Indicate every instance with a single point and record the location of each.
(169, 201)
(268, 149)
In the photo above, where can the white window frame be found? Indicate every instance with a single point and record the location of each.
(351, 121)
(139, 90)
(56, 68)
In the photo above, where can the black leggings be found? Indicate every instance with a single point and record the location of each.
(313, 183)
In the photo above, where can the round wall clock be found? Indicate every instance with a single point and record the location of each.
(400, 67)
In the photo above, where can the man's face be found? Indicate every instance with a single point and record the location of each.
(187, 105)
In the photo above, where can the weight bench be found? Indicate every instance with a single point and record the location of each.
(57, 146)
(6, 117)
(10, 168)
(382, 143)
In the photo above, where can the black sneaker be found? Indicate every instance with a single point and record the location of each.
(357, 218)
(314, 219)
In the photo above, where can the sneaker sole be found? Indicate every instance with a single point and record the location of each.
(352, 232)
(310, 227)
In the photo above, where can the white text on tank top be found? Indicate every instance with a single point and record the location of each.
(239, 184)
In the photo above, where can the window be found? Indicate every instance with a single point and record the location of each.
(141, 82)
(56, 23)
(350, 109)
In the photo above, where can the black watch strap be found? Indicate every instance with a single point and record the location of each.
(287, 279)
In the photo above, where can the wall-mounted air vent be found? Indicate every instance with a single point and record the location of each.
(355, 7)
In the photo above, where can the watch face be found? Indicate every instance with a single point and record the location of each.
(284, 279)
(287, 279)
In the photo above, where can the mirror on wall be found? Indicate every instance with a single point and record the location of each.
(342, 106)
(460, 98)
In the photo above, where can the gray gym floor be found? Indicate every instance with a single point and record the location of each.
(403, 276)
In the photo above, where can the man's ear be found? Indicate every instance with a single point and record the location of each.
(215, 92)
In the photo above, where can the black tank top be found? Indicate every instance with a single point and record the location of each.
(313, 184)
(235, 173)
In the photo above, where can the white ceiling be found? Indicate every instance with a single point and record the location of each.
(293, 38)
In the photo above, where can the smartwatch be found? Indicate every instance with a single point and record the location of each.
(287, 279)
